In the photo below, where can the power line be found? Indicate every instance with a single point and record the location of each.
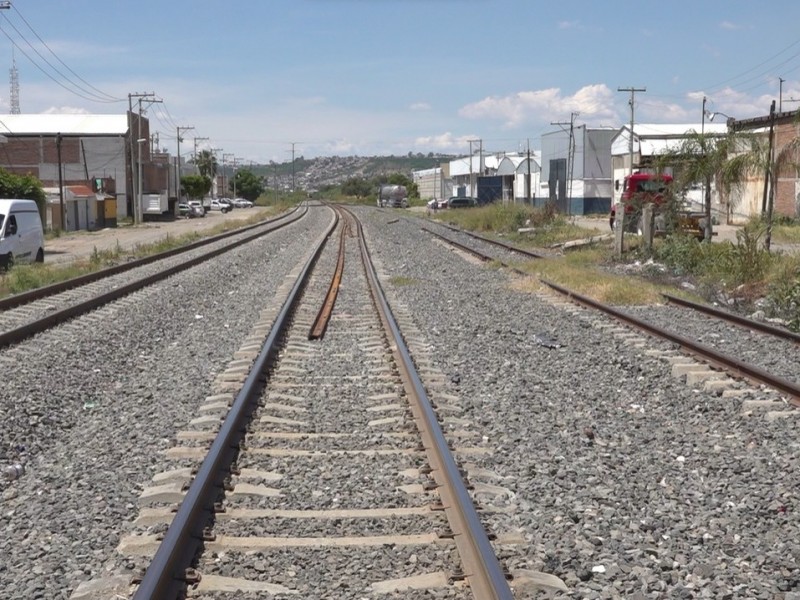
(632, 91)
(108, 97)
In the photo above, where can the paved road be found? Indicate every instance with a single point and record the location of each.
(82, 244)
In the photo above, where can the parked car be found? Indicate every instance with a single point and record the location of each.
(197, 209)
(242, 203)
(435, 204)
(184, 209)
(220, 205)
(461, 202)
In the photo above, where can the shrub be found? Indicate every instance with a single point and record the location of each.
(783, 292)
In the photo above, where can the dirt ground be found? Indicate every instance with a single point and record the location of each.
(82, 244)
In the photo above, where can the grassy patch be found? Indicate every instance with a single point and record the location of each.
(786, 234)
(581, 273)
(504, 221)
(400, 281)
(22, 278)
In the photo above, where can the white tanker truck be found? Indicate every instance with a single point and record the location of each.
(393, 196)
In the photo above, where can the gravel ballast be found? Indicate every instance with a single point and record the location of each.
(621, 480)
(627, 483)
(89, 407)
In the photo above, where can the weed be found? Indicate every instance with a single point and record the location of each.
(783, 292)
(399, 280)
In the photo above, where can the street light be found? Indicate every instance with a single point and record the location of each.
(710, 115)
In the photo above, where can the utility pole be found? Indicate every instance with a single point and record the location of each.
(234, 177)
(139, 141)
(178, 163)
(619, 221)
(570, 156)
(194, 154)
(631, 102)
(134, 177)
(213, 171)
(59, 137)
(136, 184)
(471, 183)
(224, 162)
(293, 179)
(780, 94)
(769, 179)
(528, 181)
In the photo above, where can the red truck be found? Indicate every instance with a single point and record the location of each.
(651, 188)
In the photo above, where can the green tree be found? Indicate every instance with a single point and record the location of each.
(405, 180)
(206, 163)
(729, 160)
(358, 187)
(196, 186)
(248, 185)
(27, 187)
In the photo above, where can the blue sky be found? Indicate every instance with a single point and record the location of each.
(363, 77)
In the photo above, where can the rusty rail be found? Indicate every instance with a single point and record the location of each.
(320, 324)
(737, 319)
(710, 355)
(497, 243)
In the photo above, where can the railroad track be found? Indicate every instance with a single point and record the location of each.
(26, 314)
(711, 363)
(344, 484)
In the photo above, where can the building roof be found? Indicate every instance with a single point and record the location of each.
(651, 139)
(66, 124)
(510, 165)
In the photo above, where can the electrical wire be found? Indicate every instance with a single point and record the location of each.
(103, 96)
(49, 76)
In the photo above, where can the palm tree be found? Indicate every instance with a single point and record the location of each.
(730, 160)
(206, 163)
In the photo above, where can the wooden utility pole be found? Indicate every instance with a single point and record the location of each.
(769, 178)
(619, 211)
(178, 163)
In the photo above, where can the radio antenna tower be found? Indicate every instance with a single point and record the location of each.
(14, 85)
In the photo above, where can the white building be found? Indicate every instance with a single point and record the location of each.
(520, 177)
(650, 140)
(576, 170)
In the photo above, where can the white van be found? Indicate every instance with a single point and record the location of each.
(21, 234)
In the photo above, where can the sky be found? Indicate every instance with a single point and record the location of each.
(259, 80)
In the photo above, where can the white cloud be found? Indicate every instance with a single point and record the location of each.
(444, 142)
(593, 102)
(65, 110)
(420, 106)
(730, 26)
(569, 25)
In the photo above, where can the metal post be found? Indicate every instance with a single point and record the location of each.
(60, 182)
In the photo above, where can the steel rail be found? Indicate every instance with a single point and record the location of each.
(710, 355)
(498, 243)
(737, 319)
(482, 569)
(55, 288)
(165, 577)
(323, 317)
(459, 245)
(14, 336)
